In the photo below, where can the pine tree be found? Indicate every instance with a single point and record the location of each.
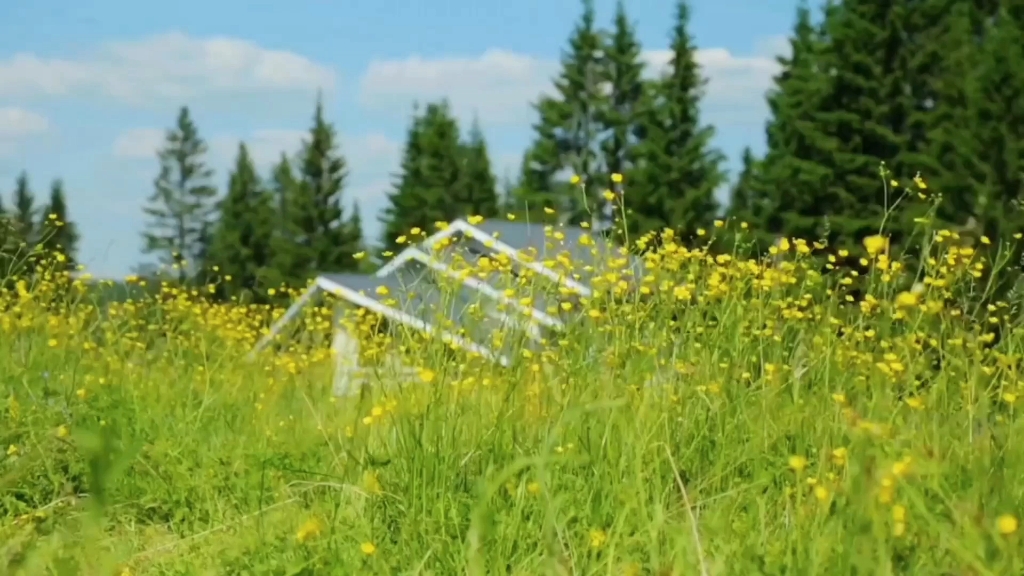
(620, 114)
(954, 159)
(681, 171)
(793, 185)
(7, 244)
(866, 107)
(993, 152)
(325, 241)
(58, 235)
(742, 199)
(240, 246)
(537, 191)
(567, 133)
(286, 266)
(25, 212)
(182, 202)
(477, 191)
(430, 170)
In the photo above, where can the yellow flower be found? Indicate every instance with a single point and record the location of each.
(310, 529)
(475, 220)
(597, 538)
(359, 255)
(797, 463)
(370, 482)
(427, 375)
(12, 450)
(907, 300)
(533, 488)
(876, 244)
(1007, 524)
(915, 402)
(821, 493)
(62, 431)
(575, 179)
(368, 548)
(52, 343)
(617, 178)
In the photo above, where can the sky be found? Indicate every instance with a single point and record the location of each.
(88, 88)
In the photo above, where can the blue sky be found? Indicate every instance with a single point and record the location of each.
(88, 87)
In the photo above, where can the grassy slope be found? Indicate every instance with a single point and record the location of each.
(787, 434)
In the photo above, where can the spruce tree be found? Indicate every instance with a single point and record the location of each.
(58, 235)
(742, 199)
(568, 132)
(25, 212)
(680, 170)
(240, 246)
(477, 190)
(537, 190)
(866, 108)
(954, 160)
(994, 150)
(431, 169)
(795, 175)
(325, 241)
(182, 202)
(287, 265)
(620, 114)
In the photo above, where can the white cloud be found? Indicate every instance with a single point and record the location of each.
(171, 66)
(372, 152)
(16, 124)
(138, 143)
(265, 146)
(500, 85)
(734, 82)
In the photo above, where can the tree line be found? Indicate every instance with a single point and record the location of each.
(33, 236)
(896, 112)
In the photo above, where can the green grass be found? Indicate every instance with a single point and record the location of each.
(143, 442)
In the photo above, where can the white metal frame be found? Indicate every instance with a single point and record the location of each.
(415, 253)
(459, 225)
(418, 255)
(323, 284)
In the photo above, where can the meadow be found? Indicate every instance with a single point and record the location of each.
(812, 412)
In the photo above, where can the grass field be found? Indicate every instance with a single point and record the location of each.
(737, 417)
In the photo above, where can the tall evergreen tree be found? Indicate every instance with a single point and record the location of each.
(954, 160)
(182, 202)
(58, 235)
(742, 199)
(793, 184)
(240, 246)
(25, 211)
(477, 191)
(324, 240)
(537, 189)
(991, 152)
(567, 134)
(430, 170)
(286, 268)
(680, 170)
(867, 108)
(619, 116)
(7, 244)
